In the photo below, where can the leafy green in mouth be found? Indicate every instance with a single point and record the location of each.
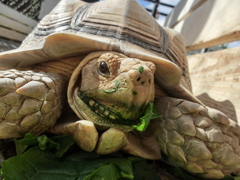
(103, 112)
(111, 117)
(150, 113)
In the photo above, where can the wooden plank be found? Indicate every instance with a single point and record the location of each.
(14, 25)
(214, 22)
(10, 34)
(7, 11)
(181, 11)
(215, 80)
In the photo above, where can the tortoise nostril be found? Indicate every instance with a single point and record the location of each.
(139, 78)
(149, 81)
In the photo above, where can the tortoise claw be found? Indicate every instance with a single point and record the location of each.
(133, 143)
(85, 135)
(111, 141)
(83, 132)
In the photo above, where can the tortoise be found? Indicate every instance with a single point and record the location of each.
(90, 70)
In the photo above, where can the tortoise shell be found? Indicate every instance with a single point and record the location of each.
(74, 27)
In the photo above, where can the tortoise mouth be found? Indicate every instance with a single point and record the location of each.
(104, 116)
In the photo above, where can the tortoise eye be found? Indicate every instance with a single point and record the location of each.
(103, 68)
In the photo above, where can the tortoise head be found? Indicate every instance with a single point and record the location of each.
(111, 89)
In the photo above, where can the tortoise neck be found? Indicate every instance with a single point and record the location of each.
(159, 92)
(62, 66)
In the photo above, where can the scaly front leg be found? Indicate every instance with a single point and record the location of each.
(29, 102)
(83, 132)
(201, 140)
(88, 138)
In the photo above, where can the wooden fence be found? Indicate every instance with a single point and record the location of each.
(14, 25)
(215, 75)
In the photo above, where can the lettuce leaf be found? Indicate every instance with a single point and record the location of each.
(40, 164)
(57, 158)
(59, 144)
(150, 113)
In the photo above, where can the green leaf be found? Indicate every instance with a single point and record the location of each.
(125, 167)
(183, 175)
(232, 178)
(57, 163)
(59, 144)
(150, 113)
(109, 90)
(37, 164)
(236, 178)
(29, 140)
(140, 69)
(20, 148)
(142, 170)
(23, 144)
(64, 142)
(43, 140)
(117, 83)
(104, 171)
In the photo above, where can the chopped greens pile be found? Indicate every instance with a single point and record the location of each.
(43, 158)
(150, 113)
(47, 158)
